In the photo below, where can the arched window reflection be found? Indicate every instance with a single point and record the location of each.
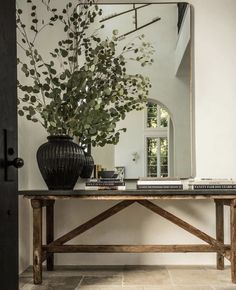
(156, 141)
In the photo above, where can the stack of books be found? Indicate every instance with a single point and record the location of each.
(211, 183)
(161, 183)
(105, 184)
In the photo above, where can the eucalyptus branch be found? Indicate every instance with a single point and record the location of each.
(21, 32)
(32, 56)
(50, 75)
(81, 99)
(78, 41)
(50, 9)
(28, 70)
(20, 46)
(59, 57)
(40, 30)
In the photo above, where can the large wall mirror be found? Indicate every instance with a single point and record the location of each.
(157, 142)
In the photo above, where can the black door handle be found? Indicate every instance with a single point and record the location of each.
(17, 162)
(11, 162)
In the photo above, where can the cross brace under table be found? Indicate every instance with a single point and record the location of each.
(45, 252)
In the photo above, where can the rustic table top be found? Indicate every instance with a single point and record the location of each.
(131, 194)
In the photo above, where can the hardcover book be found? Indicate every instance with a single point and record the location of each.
(121, 187)
(160, 186)
(213, 186)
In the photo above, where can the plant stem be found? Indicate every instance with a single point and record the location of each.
(21, 46)
(36, 34)
(32, 57)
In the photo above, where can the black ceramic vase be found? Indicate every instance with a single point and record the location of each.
(60, 161)
(88, 166)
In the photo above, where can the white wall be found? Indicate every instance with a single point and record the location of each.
(215, 102)
(104, 156)
(183, 39)
(130, 142)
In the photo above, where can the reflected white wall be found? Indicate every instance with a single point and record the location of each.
(171, 90)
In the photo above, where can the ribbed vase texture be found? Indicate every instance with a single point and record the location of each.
(88, 166)
(60, 161)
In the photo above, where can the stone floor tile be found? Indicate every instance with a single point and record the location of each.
(70, 271)
(186, 267)
(158, 287)
(131, 277)
(23, 281)
(55, 283)
(102, 280)
(110, 288)
(185, 276)
(190, 287)
(220, 277)
(27, 273)
(146, 275)
(225, 288)
(99, 271)
(132, 288)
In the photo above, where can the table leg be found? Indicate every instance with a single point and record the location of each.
(50, 232)
(219, 231)
(37, 240)
(233, 239)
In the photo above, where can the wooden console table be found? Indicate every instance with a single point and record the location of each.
(40, 199)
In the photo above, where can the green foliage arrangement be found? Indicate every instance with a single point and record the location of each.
(85, 89)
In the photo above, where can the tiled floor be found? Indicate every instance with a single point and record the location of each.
(131, 278)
